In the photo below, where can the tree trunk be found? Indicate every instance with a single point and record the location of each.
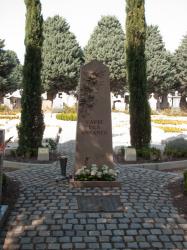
(164, 104)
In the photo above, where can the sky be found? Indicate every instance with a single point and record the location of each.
(83, 16)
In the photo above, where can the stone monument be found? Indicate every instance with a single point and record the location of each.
(94, 130)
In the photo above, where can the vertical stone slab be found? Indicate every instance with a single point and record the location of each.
(2, 147)
(94, 130)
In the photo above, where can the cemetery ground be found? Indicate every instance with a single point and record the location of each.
(47, 214)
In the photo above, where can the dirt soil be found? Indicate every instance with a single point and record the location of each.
(178, 197)
(10, 192)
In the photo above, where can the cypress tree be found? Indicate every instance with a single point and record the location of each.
(106, 44)
(140, 126)
(62, 57)
(32, 126)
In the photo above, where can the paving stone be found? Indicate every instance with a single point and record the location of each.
(106, 245)
(131, 232)
(46, 217)
(80, 245)
(93, 245)
(144, 245)
(132, 245)
(176, 237)
(53, 246)
(90, 239)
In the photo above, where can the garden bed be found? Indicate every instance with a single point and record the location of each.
(179, 199)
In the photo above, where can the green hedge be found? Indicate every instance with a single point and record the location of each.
(67, 116)
(176, 148)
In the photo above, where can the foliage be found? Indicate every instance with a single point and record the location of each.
(4, 110)
(31, 128)
(176, 148)
(181, 68)
(172, 129)
(160, 63)
(172, 122)
(185, 182)
(50, 143)
(173, 112)
(62, 57)
(96, 173)
(67, 109)
(10, 71)
(106, 44)
(140, 125)
(147, 153)
(67, 116)
(4, 182)
(9, 117)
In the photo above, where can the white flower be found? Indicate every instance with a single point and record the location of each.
(99, 174)
(93, 172)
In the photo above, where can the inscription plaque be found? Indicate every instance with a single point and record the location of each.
(99, 203)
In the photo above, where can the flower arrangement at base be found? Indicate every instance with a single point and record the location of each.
(96, 173)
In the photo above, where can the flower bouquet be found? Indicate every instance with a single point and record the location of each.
(95, 176)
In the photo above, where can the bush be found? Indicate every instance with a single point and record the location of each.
(172, 129)
(3, 108)
(67, 116)
(172, 122)
(176, 148)
(173, 112)
(143, 153)
(67, 109)
(185, 182)
(9, 117)
(149, 153)
(4, 182)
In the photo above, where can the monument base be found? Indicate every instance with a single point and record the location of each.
(85, 184)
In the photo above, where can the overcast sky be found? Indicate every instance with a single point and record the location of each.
(83, 15)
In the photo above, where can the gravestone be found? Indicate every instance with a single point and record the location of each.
(130, 154)
(153, 102)
(94, 130)
(43, 154)
(176, 100)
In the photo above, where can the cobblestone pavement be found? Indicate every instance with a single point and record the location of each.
(46, 215)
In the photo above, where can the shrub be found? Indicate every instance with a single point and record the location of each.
(173, 112)
(176, 148)
(172, 129)
(143, 153)
(4, 182)
(67, 116)
(51, 144)
(67, 109)
(172, 122)
(185, 182)
(149, 153)
(9, 117)
(3, 108)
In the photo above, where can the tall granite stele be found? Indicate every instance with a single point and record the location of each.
(94, 129)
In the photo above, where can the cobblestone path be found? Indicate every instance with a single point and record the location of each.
(46, 215)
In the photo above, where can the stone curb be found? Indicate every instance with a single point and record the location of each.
(23, 165)
(160, 165)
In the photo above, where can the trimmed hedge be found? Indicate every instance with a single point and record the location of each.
(176, 148)
(67, 116)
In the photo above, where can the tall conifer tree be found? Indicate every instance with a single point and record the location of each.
(32, 125)
(140, 127)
